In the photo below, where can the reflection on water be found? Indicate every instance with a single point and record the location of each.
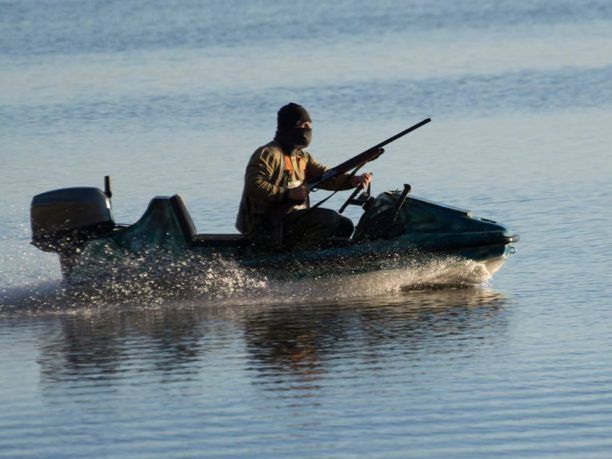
(102, 344)
(301, 342)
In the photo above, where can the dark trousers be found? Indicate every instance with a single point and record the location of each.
(311, 228)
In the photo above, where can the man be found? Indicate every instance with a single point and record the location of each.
(275, 208)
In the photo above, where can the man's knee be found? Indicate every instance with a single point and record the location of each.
(345, 227)
(336, 224)
(312, 227)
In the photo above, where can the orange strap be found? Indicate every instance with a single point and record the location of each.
(289, 164)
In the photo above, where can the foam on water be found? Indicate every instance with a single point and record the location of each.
(195, 280)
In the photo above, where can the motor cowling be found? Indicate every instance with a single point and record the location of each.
(64, 219)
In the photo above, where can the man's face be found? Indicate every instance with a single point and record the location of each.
(305, 125)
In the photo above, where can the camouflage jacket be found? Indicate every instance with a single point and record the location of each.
(269, 175)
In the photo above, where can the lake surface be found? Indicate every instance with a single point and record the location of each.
(172, 97)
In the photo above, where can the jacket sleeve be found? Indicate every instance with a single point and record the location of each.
(314, 169)
(259, 177)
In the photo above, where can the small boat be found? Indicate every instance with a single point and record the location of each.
(395, 232)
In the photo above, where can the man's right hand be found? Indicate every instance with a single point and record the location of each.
(299, 193)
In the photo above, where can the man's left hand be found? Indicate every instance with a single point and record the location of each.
(362, 180)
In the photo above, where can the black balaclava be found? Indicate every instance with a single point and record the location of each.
(288, 134)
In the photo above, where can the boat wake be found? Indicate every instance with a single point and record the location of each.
(206, 282)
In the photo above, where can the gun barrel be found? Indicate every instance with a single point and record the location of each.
(401, 134)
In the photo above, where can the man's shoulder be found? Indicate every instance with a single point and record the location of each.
(271, 150)
(304, 154)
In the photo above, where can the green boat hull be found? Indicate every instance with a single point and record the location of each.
(395, 233)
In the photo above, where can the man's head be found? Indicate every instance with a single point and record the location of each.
(294, 126)
(292, 115)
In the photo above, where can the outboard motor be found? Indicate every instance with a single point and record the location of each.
(63, 220)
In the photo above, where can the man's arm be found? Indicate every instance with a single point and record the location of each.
(260, 175)
(342, 182)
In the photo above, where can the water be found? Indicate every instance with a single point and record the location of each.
(172, 97)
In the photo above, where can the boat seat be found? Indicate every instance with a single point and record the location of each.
(183, 217)
(202, 240)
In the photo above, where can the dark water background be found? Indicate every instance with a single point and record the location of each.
(172, 97)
